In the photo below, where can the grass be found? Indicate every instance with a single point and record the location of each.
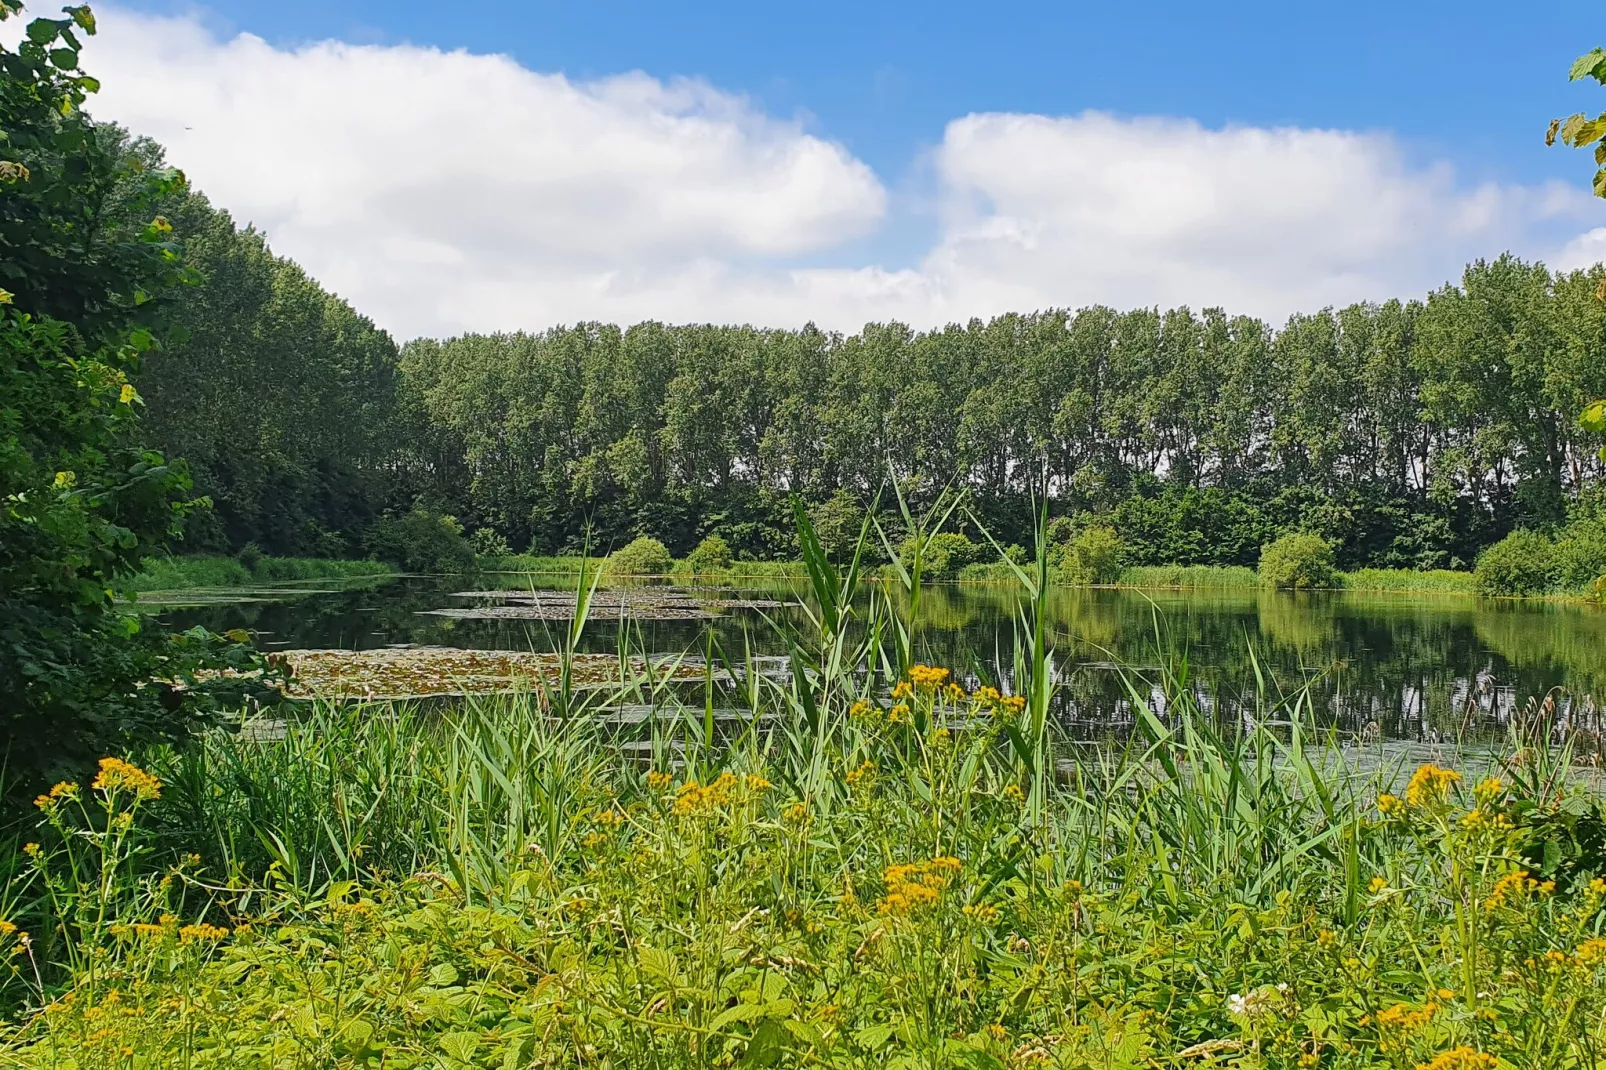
(1400, 579)
(1204, 576)
(213, 570)
(866, 863)
(572, 566)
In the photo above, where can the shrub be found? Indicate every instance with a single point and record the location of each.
(1299, 560)
(422, 541)
(1094, 556)
(488, 542)
(713, 554)
(1522, 563)
(644, 556)
(945, 554)
(1580, 554)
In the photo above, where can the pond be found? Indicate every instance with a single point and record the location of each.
(1409, 667)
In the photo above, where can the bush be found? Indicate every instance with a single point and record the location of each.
(1094, 556)
(488, 542)
(1522, 563)
(1580, 554)
(945, 554)
(1298, 561)
(422, 541)
(645, 556)
(713, 554)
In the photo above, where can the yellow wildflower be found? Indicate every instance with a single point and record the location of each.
(1488, 790)
(118, 775)
(861, 708)
(1462, 1058)
(1014, 703)
(981, 912)
(916, 885)
(1379, 884)
(927, 677)
(1014, 794)
(1597, 886)
(986, 696)
(127, 394)
(658, 781)
(899, 714)
(902, 690)
(797, 813)
(1591, 952)
(954, 693)
(756, 783)
(201, 933)
(862, 775)
(1430, 785)
(1514, 886)
(7, 927)
(1390, 805)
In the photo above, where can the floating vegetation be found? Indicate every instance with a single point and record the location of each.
(432, 671)
(633, 603)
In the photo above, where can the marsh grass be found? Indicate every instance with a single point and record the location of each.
(866, 862)
(211, 570)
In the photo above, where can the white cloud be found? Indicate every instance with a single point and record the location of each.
(1584, 251)
(442, 192)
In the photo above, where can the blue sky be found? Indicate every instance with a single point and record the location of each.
(1473, 81)
(1453, 97)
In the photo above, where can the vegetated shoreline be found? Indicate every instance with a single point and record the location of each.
(196, 571)
(1140, 577)
(191, 571)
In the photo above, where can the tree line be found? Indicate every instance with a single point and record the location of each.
(1410, 433)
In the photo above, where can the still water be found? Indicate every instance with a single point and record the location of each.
(1409, 667)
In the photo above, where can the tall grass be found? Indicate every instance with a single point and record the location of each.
(863, 862)
(212, 570)
(1204, 576)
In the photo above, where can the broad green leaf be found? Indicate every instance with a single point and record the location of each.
(461, 1046)
(873, 1036)
(1593, 417)
(1590, 65)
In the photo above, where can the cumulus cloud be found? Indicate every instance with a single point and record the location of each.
(446, 191)
(1584, 251)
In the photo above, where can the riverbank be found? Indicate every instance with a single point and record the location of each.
(215, 570)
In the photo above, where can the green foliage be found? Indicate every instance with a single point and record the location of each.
(1201, 576)
(1400, 579)
(212, 570)
(713, 554)
(83, 293)
(1580, 553)
(1579, 130)
(510, 890)
(488, 542)
(1298, 561)
(1092, 556)
(944, 556)
(422, 540)
(1522, 563)
(642, 556)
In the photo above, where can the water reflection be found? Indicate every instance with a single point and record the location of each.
(1411, 667)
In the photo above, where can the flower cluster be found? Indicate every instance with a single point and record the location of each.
(118, 775)
(1430, 786)
(694, 798)
(914, 886)
(1515, 886)
(864, 775)
(927, 677)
